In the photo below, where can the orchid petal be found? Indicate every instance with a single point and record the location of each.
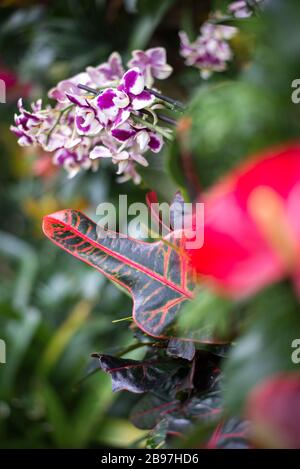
(142, 100)
(133, 81)
(156, 142)
(123, 133)
(77, 100)
(142, 139)
(162, 72)
(157, 55)
(122, 156)
(100, 152)
(140, 159)
(121, 100)
(122, 116)
(105, 100)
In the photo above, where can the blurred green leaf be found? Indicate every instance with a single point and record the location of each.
(228, 122)
(18, 334)
(151, 15)
(265, 347)
(21, 251)
(63, 336)
(208, 315)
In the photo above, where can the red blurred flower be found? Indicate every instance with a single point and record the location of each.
(14, 87)
(252, 225)
(274, 410)
(43, 166)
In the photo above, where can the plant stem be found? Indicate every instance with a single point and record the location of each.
(150, 126)
(129, 318)
(222, 19)
(94, 90)
(165, 98)
(161, 117)
(167, 119)
(87, 88)
(157, 94)
(132, 347)
(58, 121)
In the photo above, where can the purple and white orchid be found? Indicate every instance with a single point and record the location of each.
(114, 105)
(86, 121)
(144, 138)
(135, 142)
(82, 128)
(211, 51)
(108, 72)
(153, 64)
(241, 9)
(69, 87)
(73, 161)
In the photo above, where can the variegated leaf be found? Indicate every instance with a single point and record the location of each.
(156, 274)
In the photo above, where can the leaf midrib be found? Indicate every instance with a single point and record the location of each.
(129, 262)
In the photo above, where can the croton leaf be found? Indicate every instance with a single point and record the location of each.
(157, 437)
(135, 376)
(168, 427)
(232, 434)
(181, 348)
(191, 393)
(156, 274)
(152, 408)
(176, 214)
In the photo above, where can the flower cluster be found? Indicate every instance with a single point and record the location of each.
(241, 8)
(100, 113)
(211, 51)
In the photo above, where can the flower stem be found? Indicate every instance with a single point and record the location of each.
(167, 119)
(94, 90)
(167, 99)
(87, 88)
(173, 103)
(161, 117)
(57, 122)
(221, 20)
(129, 318)
(153, 127)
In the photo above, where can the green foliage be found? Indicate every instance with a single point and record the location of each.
(265, 346)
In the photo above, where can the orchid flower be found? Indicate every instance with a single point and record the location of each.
(211, 51)
(102, 112)
(153, 64)
(114, 106)
(241, 9)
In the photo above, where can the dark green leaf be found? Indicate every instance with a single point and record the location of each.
(182, 349)
(134, 376)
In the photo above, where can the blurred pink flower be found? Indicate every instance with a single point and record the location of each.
(274, 410)
(14, 86)
(252, 225)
